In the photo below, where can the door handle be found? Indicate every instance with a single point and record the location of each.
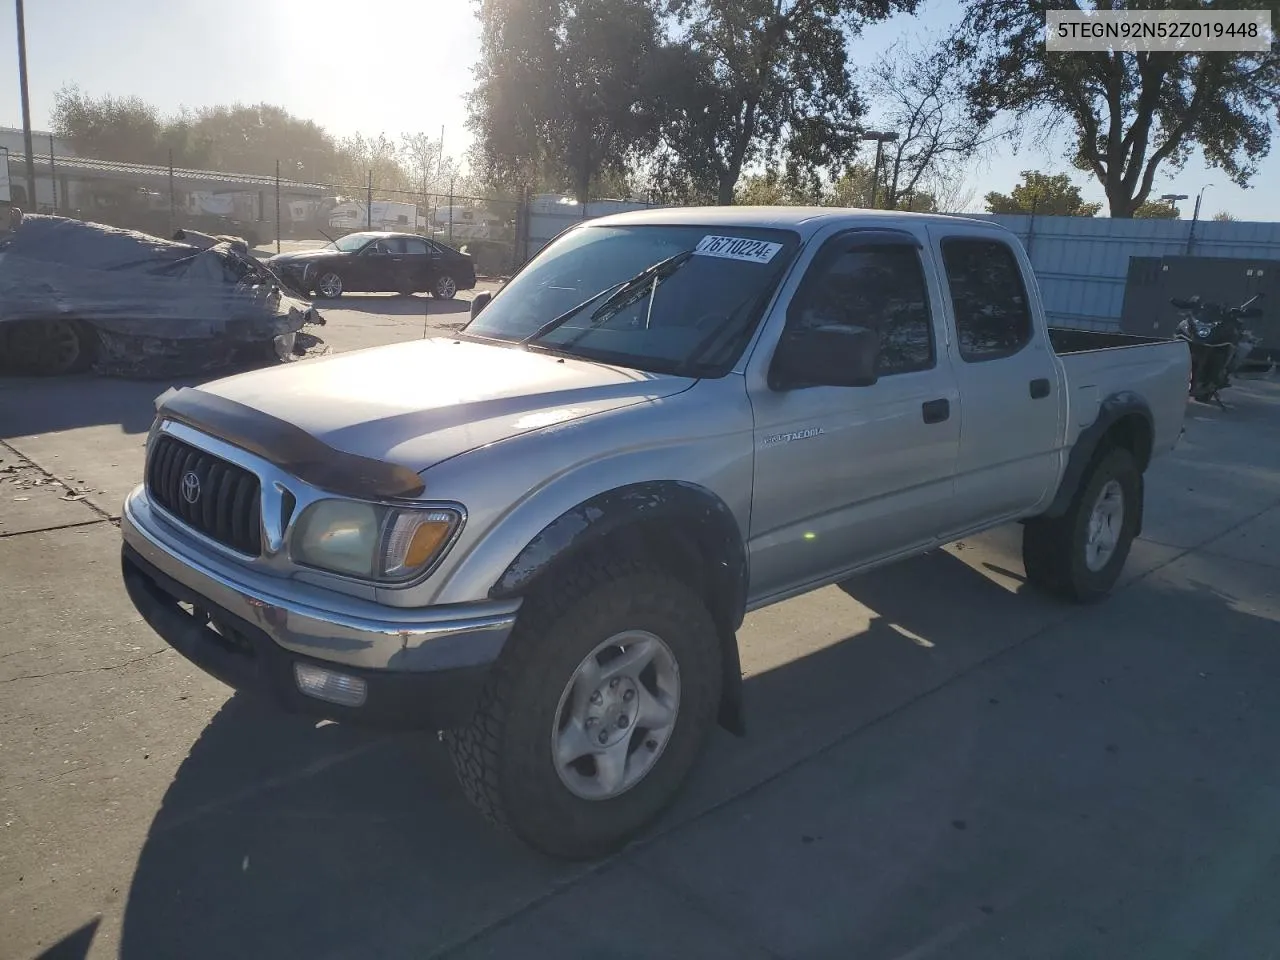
(936, 411)
(1039, 388)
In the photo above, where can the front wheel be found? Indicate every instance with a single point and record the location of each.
(1079, 555)
(329, 285)
(596, 711)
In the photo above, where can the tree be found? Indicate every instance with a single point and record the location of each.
(763, 80)
(126, 129)
(1131, 114)
(920, 87)
(1041, 193)
(563, 89)
(1223, 216)
(420, 154)
(1156, 210)
(235, 138)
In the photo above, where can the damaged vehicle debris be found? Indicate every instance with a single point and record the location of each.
(78, 296)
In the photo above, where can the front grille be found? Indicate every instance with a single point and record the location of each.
(226, 505)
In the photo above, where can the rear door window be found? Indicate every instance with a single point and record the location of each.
(988, 298)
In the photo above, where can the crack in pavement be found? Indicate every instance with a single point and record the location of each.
(71, 487)
(70, 673)
(60, 526)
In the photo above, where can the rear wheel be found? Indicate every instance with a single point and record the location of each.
(446, 288)
(596, 711)
(329, 285)
(1079, 555)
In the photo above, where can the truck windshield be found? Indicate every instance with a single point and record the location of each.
(693, 321)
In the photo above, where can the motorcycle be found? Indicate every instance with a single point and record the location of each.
(1220, 344)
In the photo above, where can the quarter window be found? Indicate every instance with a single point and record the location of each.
(880, 287)
(993, 315)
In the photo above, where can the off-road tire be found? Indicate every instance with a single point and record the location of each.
(1053, 549)
(503, 757)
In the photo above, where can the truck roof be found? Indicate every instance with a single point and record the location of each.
(805, 220)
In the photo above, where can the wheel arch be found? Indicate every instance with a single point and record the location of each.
(682, 526)
(1124, 421)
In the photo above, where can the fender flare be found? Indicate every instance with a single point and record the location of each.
(1123, 410)
(685, 512)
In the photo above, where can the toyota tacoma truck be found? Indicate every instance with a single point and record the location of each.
(540, 534)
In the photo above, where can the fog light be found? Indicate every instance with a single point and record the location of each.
(327, 685)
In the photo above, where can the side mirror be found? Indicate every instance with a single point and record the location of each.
(479, 302)
(830, 356)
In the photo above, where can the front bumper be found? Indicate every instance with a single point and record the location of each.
(424, 668)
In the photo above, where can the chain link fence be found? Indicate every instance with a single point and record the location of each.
(271, 213)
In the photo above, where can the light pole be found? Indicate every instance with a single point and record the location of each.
(28, 149)
(881, 137)
(1172, 199)
(1195, 216)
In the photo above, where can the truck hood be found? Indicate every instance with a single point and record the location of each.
(419, 403)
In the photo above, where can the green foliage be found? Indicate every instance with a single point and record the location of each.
(563, 94)
(244, 139)
(762, 81)
(1223, 216)
(850, 189)
(1131, 114)
(1043, 194)
(1156, 210)
(691, 93)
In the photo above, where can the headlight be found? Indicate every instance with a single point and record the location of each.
(372, 542)
(1203, 330)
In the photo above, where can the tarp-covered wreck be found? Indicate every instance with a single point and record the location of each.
(76, 296)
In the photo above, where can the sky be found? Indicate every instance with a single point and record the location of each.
(403, 66)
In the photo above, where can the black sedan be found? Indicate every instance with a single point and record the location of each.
(376, 262)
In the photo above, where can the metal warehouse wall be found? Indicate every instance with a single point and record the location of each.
(1082, 263)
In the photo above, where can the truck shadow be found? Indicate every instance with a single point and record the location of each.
(278, 837)
(35, 406)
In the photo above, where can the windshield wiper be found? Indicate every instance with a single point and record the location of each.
(749, 303)
(616, 295)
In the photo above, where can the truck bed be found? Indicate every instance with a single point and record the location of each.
(1067, 340)
(1100, 365)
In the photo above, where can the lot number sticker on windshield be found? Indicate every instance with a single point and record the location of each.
(737, 248)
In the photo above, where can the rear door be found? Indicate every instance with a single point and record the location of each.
(1007, 374)
(848, 475)
(417, 263)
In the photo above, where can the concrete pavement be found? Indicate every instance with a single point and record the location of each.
(939, 763)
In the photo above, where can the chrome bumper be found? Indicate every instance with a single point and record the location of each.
(321, 624)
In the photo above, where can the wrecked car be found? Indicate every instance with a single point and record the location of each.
(78, 296)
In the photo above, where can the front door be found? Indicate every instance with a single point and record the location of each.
(848, 475)
(374, 268)
(1008, 376)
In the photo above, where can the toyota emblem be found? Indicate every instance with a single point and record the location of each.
(190, 487)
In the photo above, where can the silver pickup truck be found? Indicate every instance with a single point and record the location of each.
(540, 534)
